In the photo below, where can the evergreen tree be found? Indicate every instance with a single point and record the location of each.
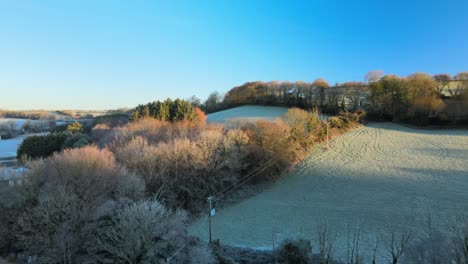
(146, 112)
(168, 110)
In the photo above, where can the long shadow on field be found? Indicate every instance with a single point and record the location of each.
(435, 172)
(452, 153)
(416, 130)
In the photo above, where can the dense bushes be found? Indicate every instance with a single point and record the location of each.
(60, 195)
(346, 120)
(41, 146)
(81, 206)
(182, 164)
(418, 98)
(295, 252)
(45, 145)
(145, 232)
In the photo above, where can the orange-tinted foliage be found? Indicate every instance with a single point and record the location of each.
(201, 116)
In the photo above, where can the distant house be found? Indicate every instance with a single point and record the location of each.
(4, 135)
(12, 177)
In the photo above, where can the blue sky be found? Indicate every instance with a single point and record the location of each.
(109, 54)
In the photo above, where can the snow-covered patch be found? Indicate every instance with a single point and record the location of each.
(19, 122)
(8, 147)
(374, 176)
(249, 113)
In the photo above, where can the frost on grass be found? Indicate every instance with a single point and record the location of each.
(370, 178)
(249, 112)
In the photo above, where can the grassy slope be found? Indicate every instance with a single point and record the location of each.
(248, 112)
(378, 173)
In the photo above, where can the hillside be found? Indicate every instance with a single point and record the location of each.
(248, 112)
(370, 176)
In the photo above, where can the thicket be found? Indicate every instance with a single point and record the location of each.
(169, 110)
(81, 206)
(183, 163)
(419, 98)
(42, 146)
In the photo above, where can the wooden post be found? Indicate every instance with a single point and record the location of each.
(210, 200)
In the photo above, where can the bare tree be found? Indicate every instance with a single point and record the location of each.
(353, 239)
(443, 81)
(431, 246)
(374, 250)
(321, 84)
(146, 232)
(374, 76)
(325, 240)
(398, 240)
(429, 230)
(12, 126)
(462, 76)
(459, 230)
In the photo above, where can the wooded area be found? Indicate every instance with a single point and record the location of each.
(418, 98)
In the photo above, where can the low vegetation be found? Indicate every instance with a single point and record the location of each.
(42, 146)
(81, 203)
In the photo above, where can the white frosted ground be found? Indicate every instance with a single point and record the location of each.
(374, 175)
(21, 121)
(8, 147)
(248, 112)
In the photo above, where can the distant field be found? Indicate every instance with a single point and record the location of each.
(8, 147)
(20, 122)
(248, 112)
(371, 176)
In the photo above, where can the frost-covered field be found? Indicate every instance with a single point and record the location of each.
(248, 112)
(8, 147)
(373, 176)
(20, 122)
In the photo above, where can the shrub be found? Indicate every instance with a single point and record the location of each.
(41, 146)
(336, 122)
(185, 170)
(112, 120)
(11, 204)
(76, 140)
(75, 127)
(145, 232)
(295, 252)
(102, 135)
(65, 190)
(59, 129)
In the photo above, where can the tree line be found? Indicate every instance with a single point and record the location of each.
(417, 98)
(420, 98)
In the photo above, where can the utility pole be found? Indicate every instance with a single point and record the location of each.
(210, 202)
(328, 128)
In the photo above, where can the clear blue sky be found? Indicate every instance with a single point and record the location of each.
(106, 54)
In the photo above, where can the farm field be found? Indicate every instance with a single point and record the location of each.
(371, 176)
(248, 112)
(20, 122)
(8, 147)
